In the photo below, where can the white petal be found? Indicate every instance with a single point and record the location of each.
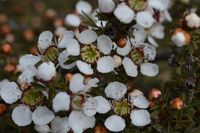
(80, 122)
(135, 93)
(28, 60)
(46, 71)
(76, 84)
(130, 67)
(149, 52)
(61, 102)
(62, 58)
(115, 90)
(140, 102)
(89, 107)
(91, 83)
(105, 64)
(22, 115)
(10, 92)
(103, 105)
(104, 44)
(145, 19)
(72, 20)
(42, 129)
(152, 41)
(42, 115)
(106, 6)
(83, 6)
(124, 13)
(125, 50)
(60, 125)
(2, 82)
(27, 75)
(84, 67)
(115, 123)
(86, 36)
(140, 117)
(157, 31)
(139, 36)
(149, 69)
(73, 47)
(44, 40)
(159, 4)
(64, 37)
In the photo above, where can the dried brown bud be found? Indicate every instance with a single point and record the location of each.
(7, 48)
(122, 42)
(177, 103)
(154, 94)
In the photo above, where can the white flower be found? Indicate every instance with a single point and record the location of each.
(80, 122)
(72, 20)
(105, 64)
(149, 69)
(115, 123)
(115, 90)
(44, 41)
(77, 83)
(60, 125)
(10, 92)
(61, 102)
(140, 117)
(42, 115)
(22, 115)
(62, 58)
(193, 20)
(83, 6)
(106, 6)
(145, 19)
(125, 50)
(124, 13)
(46, 71)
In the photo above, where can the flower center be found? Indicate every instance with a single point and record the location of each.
(77, 101)
(137, 55)
(32, 97)
(90, 54)
(121, 107)
(137, 5)
(51, 54)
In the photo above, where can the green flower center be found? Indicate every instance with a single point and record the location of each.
(90, 54)
(137, 55)
(121, 107)
(32, 97)
(137, 5)
(77, 101)
(51, 54)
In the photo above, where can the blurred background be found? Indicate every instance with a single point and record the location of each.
(21, 21)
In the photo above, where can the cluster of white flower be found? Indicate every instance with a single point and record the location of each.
(89, 52)
(181, 36)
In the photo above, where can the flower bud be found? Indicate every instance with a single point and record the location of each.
(122, 42)
(100, 129)
(177, 103)
(154, 94)
(68, 76)
(10, 68)
(7, 48)
(118, 61)
(3, 108)
(192, 20)
(181, 37)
